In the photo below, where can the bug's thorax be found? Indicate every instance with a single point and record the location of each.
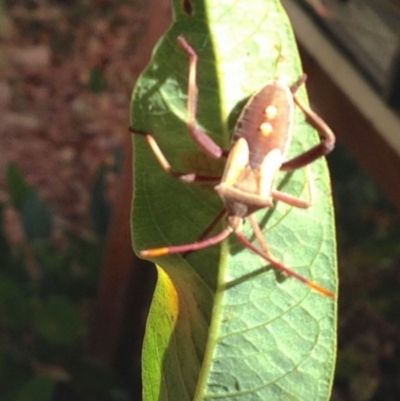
(244, 189)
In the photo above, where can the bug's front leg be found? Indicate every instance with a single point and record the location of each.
(198, 135)
(166, 166)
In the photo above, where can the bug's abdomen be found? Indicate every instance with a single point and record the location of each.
(266, 121)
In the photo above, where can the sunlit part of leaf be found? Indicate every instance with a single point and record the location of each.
(241, 331)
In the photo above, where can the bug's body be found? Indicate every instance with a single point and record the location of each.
(266, 121)
(264, 124)
(261, 138)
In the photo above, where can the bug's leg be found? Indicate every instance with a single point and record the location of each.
(202, 242)
(194, 246)
(198, 135)
(267, 255)
(259, 235)
(213, 224)
(301, 81)
(209, 229)
(293, 200)
(323, 148)
(165, 165)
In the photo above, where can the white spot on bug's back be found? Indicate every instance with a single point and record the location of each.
(266, 129)
(271, 112)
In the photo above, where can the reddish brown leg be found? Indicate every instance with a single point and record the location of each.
(267, 255)
(209, 229)
(322, 149)
(301, 81)
(201, 243)
(165, 165)
(293, 200)
(195, 246)
(198, 135)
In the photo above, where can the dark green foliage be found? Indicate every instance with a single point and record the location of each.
(18, 188)
(97, 83)
(368, 233)
(100, 207)
(44, 287)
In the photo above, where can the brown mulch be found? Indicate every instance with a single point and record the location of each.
(67, 71)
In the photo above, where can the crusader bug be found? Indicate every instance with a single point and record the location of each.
(261, 138)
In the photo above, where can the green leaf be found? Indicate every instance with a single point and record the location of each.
(97, 83)
(222, 323)
(37, 219)
(17, 186)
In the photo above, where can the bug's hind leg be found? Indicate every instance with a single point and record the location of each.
(267, 255)
(328, 141)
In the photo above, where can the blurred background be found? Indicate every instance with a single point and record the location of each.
(73, 298)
